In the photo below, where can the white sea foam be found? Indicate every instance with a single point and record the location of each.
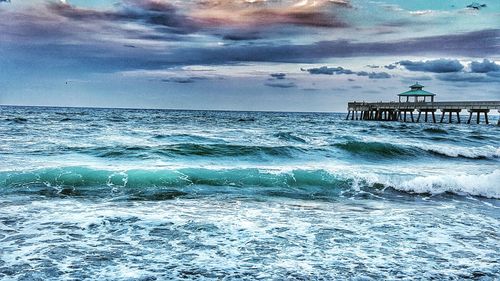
(487, 151)
(486, 185)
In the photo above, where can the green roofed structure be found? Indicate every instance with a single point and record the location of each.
(416, 94)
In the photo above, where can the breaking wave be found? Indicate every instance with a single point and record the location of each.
(77, 180)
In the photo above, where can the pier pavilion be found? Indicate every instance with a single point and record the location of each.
(417, 99)
(416, 94)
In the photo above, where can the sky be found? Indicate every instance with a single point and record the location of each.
(271, 55)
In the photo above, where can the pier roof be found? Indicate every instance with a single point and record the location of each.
(416, 90)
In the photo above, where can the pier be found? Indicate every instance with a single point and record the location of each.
(423, 105)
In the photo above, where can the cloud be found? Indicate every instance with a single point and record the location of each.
(328, 70)
(241, 36)
(436, 66)
(232, 20)
(154, 13)
(468, 77)
(161, 34)
(317, 13)
(484, 67)
(279, 80)
(279, 76)
(413, 79)
(340, 70)
(280, 84)
(494, 74)
(310, 89)
(183, 80)
(390, 66)
(379, 75)
(476, 6)
(467, 44)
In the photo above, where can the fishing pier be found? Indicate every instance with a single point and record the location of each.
(421, 102)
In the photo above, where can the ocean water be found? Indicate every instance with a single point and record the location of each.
(115, 194)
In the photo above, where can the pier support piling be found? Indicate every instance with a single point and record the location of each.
(478, 115)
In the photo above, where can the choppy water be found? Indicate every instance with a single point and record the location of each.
(109, 194)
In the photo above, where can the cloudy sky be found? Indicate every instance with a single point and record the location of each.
(290, 55)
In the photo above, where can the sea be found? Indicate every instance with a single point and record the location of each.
(129, 194)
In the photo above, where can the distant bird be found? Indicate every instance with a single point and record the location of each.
(476, 6)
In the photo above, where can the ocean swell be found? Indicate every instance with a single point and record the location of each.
(184, 150)
(376, 149)
(393, 150)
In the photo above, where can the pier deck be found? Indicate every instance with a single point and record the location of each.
(394, 111)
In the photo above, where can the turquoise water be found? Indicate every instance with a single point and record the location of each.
(114, 194)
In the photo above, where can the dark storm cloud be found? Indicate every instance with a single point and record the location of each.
(242, 36)
(436, 66)
(76, 41)
(230, 20)
(105, 55)
(146, 11)
(484, 67)
(476, 43)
